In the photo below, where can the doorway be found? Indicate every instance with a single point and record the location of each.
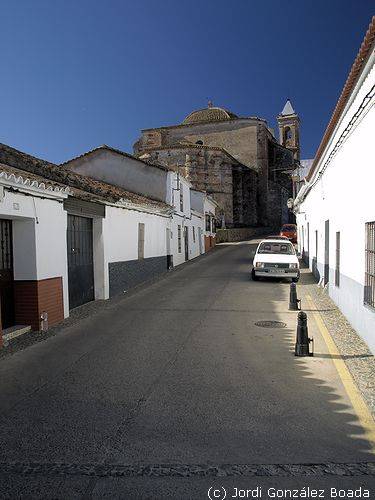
(326, 252)
(200, 232)
(168, 236)
(186, 238)
(6, 273)
(80, 260)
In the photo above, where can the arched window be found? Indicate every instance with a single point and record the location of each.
(200, 143)
(287, 135)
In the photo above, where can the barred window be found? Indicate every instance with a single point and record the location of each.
(208, 223)
(337, 270)
(369, 295)
(179, 238)
(181, 198)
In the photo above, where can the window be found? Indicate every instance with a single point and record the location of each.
(326, 253)
(337, 270)
(200, 143)
(181, 198)
(193, 234)
(213, 224)
(208, 223)
(276, 248)
(369, 297)
(287, 135)
(141, 240)
(179, 238)
(308, 244)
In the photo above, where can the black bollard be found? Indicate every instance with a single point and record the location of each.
(293, 301)
(303, 341)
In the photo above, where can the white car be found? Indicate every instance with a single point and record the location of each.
(275, 259)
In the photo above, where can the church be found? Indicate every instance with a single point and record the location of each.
(237, 160)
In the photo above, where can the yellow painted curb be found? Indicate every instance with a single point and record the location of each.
(360, 407)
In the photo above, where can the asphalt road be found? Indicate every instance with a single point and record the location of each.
(174, 389)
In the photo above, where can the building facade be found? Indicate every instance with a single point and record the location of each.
(335, 208)
(163, 183)
(236, 160)
(67, 239)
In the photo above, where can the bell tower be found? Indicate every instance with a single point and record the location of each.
(288, 122)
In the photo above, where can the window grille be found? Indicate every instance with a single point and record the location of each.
(181, 198)
(337, 270)
(208, 223)
(179, 238)
(369, 292)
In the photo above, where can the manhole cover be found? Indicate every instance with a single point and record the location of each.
(271, 324)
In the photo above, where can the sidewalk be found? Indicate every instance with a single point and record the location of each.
(351, 348)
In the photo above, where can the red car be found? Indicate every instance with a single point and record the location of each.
(290, 232)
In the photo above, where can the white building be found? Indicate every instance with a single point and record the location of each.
(66, 239)
(335, 209)
(187, 231)
(204, 204)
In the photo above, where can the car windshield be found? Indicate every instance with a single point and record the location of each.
(276, 247)
(288, 228)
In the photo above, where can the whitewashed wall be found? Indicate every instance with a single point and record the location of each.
(39, 237)
(120, 237)
(345, 196)
(122, 170)
(187, 218)
(209, 209)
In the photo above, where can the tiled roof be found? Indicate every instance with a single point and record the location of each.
(355, 72)
(166, 127)
(210, 114)
(17, 162)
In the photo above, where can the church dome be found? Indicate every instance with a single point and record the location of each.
(210, 114)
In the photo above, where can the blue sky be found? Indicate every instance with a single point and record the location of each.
(77, 74)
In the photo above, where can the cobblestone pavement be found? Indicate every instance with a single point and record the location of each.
(189, 470)
(354, 351)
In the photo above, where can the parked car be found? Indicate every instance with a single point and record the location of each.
(275, 259)
(290, 231)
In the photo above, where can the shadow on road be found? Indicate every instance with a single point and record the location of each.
(177, 374)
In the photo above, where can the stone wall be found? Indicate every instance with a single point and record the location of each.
(245, 187)
(248, 197)
(240, 234)
(238, 137)
(207, 169)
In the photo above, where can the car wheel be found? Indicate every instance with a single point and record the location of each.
(253, 276)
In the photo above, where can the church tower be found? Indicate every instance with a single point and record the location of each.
(288, 121)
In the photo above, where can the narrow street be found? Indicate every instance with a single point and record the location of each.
(177, 375)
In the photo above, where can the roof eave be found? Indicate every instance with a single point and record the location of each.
(360, 61)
